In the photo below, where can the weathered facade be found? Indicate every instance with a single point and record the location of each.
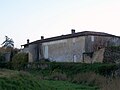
(74, 47)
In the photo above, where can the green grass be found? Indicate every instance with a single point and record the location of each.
(20, 80)
(14, 80)
(71, 69)
(63, 85)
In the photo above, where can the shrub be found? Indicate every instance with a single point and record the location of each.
(58, 76)
(112, 84)
(71, 69)
(2, 58)
(112, 54)
(14, 80)
(19, 60)
(75, 68)
(89, 78)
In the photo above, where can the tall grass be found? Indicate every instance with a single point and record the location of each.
(21, 80)
(92, 79)
(99, 75)
(112, 84)
(14, 80)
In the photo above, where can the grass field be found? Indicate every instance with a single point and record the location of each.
(63, 85)
(20, 80)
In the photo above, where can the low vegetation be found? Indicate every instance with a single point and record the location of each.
(57, 76)
(14, 80)
(19, 60)
(21, 80)
(95, 75)
(112, 54)
(61, 76)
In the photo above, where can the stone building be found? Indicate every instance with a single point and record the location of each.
(83, 46)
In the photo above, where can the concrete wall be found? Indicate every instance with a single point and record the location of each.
(41, 54)
(67, 50)
(33, 52)
(89, 43)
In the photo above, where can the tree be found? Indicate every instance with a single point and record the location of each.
(8, 43)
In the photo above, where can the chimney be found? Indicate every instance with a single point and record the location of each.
(72, 31)
(42, 37)
(28, 41)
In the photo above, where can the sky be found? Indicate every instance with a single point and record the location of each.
(31, 19)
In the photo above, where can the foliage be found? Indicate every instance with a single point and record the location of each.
(96, 74)
(81, 73)
(8, 43)
(20, 80)
(65, 85)
(112, 84)
(58, 76)
(74, 68)
(2, 58)
(19, 60)
(89, 78)
(7, 52)
(112, 54)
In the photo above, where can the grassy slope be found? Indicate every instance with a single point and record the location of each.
(62, 85)
(15, 80)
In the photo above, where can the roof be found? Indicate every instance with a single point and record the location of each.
(83, 33)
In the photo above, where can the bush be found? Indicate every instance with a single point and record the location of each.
(20, 60)
(14, 80)
(112, 54)
(89, 78)
(58, 76)
(2, 58)
(71, 69)
(112, 84)
(75, 68)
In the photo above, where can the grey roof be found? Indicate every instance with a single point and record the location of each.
(78, 34)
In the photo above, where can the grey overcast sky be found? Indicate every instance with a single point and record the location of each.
(31, 19)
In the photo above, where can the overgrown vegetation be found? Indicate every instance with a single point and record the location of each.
(20, 80)
(60, 76)
(19, 60)
(17, 81)
(7, 53)
(2, 58)
(72, 68)
(112, 54)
